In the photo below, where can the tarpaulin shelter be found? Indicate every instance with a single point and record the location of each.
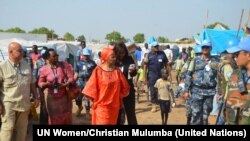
(218, 38)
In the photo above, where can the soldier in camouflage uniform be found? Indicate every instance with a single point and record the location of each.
(201, 81)
(198, 54)
(82, 71)
(226, 68)
(238, 99)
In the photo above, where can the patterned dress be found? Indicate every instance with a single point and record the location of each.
(58, 105)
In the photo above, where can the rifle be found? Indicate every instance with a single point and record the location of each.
(223, 104)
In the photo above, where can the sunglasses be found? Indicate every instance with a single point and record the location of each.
(205, 47)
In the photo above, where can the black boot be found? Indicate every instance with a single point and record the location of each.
(188, 120)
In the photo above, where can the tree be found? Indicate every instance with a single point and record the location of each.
(68, 37)
(162, 39)
(15, 30)
(1, 30)
(212, 26)
(81, 38)
(113, 36)
(95, 41)
(139, 38)
(43, 30)
(52, 35)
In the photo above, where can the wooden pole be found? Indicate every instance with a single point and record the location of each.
(248, 17)
(242, 11)
(205, 26)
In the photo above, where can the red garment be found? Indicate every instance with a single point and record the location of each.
(106, 52)
(106, 88)
(58, 105)
(34, 58)
(47, 74)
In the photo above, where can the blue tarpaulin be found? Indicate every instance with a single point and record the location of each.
(218, 38)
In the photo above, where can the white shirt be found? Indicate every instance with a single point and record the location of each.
(169, 54)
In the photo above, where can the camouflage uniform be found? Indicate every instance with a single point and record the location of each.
(226, 68)
(201, 81)
(238, 105)
(84, 70)
(185, 68)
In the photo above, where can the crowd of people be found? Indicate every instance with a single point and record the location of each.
(109, 85)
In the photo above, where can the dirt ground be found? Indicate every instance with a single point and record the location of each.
(145, 117)
(143, 113)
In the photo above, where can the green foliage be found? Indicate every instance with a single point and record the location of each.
(162, 39)
(95, 41)
(43, 30)
(81, 38)
(1, 30)
(68, 37)
(139, 38)
(113, 36)
(212, 26)
(15, 30)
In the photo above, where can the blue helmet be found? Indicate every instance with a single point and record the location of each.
(206, 43)
(86, 51)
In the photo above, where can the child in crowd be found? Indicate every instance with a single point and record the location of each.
(165, 95)
(178, 65)
(180, 88)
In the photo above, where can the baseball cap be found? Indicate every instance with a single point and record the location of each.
(152, 41)
(243, 45)
(86, 51)
(206, 43)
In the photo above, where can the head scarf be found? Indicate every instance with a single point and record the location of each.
(106, 52)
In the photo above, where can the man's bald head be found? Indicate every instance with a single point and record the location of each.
(14, 46)
(15, 52)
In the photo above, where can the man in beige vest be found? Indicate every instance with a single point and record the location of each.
(16, 84)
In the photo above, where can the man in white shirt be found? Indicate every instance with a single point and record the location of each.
(169, 54)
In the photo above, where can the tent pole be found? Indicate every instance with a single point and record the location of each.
(205, 26)
(248, 18)
(242, 12)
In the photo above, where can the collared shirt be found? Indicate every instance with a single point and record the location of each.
(155, 63)
(15, 83)
(169, 54)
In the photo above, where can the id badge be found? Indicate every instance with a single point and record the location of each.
(159, 60)
(207, 67)
(84, 67)
(55, 90)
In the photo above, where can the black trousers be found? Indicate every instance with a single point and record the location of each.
(43, 111)
(129, 105)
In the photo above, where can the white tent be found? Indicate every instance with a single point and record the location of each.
(4, 46)
(63, 48)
